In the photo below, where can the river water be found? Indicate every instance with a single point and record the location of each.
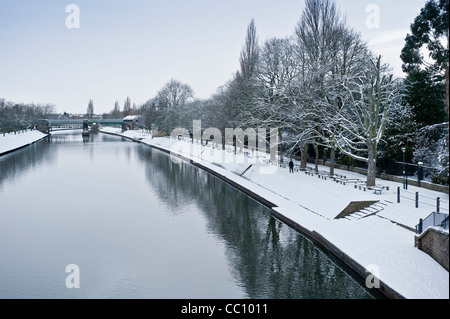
(133, 223)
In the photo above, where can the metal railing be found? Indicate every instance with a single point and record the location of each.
(419, 200)
(434, 219)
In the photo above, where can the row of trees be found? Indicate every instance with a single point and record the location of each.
(323, 88)
(19, 116)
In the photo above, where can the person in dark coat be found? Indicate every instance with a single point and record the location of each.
(291, 166)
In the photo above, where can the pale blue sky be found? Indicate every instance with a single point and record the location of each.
(132, 48)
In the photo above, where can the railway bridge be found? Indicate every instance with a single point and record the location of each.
(47, 125)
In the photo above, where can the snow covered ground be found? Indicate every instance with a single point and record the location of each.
(12, 141)
(379, 242)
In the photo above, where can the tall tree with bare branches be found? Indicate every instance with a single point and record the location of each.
(363, 119)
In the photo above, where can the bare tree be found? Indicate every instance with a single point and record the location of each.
(318, 34)
(350, 57)
(363, 120)
(174, 93)
(278, 105)
(171, 101)
(329, 53)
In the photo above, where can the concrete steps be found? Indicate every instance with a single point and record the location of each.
(368, 211)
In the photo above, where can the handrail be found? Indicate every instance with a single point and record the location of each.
(434, 219)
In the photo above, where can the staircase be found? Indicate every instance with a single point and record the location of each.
(367, 211)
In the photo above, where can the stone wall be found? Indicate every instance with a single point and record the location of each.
(435, 243)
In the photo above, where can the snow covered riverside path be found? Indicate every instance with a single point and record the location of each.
(12, 141)
(378, 243)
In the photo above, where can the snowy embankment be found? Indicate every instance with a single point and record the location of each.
(382, 243)
(13, 141)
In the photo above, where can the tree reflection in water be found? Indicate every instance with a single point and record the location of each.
(268, 258)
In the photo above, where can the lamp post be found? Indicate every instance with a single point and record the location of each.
(404, 168)
(419, 173)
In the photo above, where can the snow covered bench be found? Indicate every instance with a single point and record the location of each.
(310, 171)
(383, 186)
(344, 181)
(361, 186)
(376, 189)
(323, 174)
(337, 176)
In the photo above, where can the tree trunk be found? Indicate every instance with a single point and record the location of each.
(447, 91)
(316, 162)
(304, 157)
(371, 165)
(281, 147)
(273, 146)
(332, 160)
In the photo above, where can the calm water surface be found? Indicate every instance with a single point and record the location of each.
(139, 225)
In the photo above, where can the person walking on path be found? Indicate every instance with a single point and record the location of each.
(291, 166)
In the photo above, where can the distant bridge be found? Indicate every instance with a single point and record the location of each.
(49, 125)
(81, 121)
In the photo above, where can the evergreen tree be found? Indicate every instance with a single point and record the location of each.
(426, 97)
(428, 81)
(430, 29)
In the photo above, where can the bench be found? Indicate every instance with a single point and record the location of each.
(376, 190)
(383, 187)
(361, 186)
(343, 181)
(337, 176)
(323, 174)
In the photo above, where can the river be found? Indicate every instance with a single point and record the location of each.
(133, 223)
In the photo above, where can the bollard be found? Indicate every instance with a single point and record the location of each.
(417, 199)
(398, 194)
(419, 173)
(438, 204)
